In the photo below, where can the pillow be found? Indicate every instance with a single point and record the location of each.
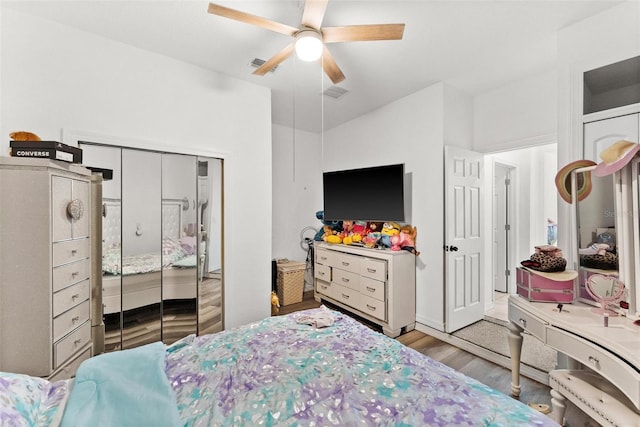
(189, 244)
(32, 401)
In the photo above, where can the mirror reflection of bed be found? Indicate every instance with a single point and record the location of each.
(162, 277)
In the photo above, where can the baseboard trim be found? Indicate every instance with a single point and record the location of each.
(498, 359)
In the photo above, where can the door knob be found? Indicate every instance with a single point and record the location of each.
(454, 248)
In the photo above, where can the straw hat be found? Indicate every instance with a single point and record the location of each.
(615, 157)
(563, 180)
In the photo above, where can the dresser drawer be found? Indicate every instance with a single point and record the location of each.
(322, 272)
(374, 268)
(346, 262)
(69, 320)
(69, 251)
(70, 297)
(325, 288)
(346, 278)
(346, 295)
(68, 274)
(67, 346)
(372, 307)
(601, 361)
(372, 288)
(527, 321)
(324, 257)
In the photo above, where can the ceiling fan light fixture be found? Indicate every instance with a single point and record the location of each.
(308, 45)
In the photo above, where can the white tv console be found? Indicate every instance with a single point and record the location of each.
(376, 284)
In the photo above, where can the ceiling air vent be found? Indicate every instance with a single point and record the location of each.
(257, 63)
(335, 92)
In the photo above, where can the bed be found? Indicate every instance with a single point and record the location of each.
(139, 276)
(314, 367)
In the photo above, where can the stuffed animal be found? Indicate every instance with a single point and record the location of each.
(406, 240)
(388, 229)
(24, 136)
(275, 304)
(332, 225)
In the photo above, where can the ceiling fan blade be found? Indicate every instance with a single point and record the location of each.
(275, 60)
(354, 33)
(314, 13)
(247, 18)
(330, 67)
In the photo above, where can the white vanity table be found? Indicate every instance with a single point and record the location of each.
(604, 377)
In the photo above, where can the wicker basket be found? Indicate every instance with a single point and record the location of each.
(290, 281)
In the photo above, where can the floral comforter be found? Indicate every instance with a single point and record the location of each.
(284, 371)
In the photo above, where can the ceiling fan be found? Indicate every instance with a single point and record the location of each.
(312, 35)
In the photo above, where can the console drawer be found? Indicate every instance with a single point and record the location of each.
(67, 346)
(346, 278)
(322, 272)
(70, 320)
(346, 295)
(372, 307)
(372, 288)
(72, 250)
(373, 268)
(528, 321)
(69, 274)
(324, 257)
(70, 297)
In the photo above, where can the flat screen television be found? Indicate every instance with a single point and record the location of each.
(366, 194)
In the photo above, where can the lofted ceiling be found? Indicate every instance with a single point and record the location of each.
(475, 46)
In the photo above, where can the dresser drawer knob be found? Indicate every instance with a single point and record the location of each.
(75, 319)
(74, 252)
(370, 307)
(371, 270)
(594, 360)
(344, 279)
(345, 296)
(320, 273)
(75, 274)
(75, 297)
(345, 263)
(76, 342)
(523, 322)
(370, 289)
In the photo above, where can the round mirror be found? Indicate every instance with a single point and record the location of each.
(605, 289)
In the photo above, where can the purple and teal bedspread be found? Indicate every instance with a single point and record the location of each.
(281, 372)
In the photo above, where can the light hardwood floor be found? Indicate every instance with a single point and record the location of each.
(495, 376)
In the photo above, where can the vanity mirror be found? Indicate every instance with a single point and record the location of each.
(606, 290)
(595, 232)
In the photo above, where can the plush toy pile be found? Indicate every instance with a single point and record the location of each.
(370, 234)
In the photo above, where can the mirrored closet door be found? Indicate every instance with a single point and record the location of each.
(162, 245)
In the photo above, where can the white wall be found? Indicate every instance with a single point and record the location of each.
(297, 189)
(54, 77)
(409, 131)
(519, 114)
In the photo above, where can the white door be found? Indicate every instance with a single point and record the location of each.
(463, 238)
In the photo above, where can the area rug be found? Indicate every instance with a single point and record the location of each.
(494, 337)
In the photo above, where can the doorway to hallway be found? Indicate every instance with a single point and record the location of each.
(523, 205)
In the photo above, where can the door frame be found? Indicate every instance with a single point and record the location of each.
(511, 207)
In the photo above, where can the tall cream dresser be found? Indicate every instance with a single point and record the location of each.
(45, 266)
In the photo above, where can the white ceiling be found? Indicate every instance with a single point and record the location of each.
(475, 46)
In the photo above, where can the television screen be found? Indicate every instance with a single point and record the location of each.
(367, 194)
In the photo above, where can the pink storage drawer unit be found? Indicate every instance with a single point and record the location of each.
(546, 287)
